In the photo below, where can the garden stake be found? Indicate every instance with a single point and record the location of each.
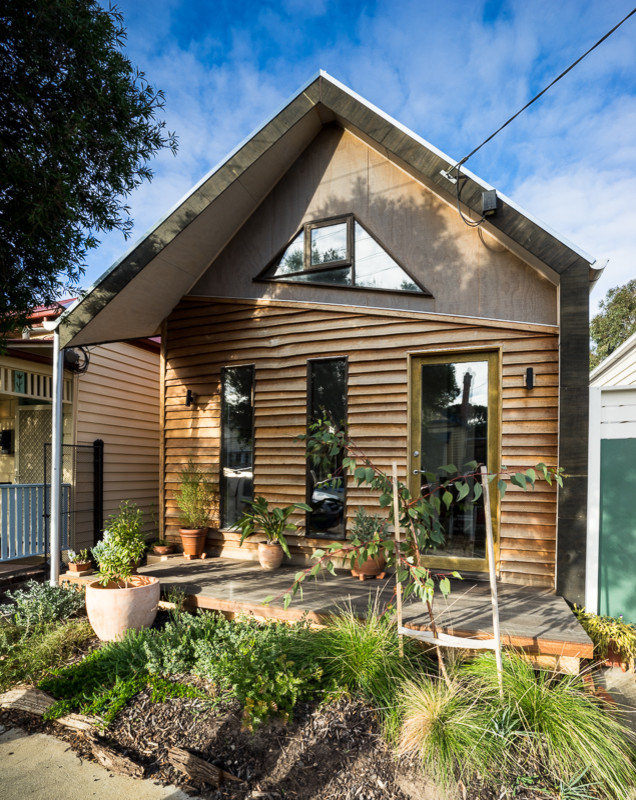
(398, 583)
(493, 577)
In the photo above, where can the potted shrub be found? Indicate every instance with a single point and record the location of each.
(162, 547)
(119, 599)
(79, 562)
(194, 498)
(367, 553)
(273, 523)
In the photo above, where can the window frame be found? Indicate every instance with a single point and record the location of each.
(309, 269)
(492, 356)
(348, 261)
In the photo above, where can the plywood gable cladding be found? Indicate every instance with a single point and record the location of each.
(203, 336)
(467, 271)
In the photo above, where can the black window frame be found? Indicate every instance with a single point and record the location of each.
(350, 261)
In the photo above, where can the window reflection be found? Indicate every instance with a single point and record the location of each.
(293, 257)
(358, 260)
(329, 243)
(327, 399)
(375, 269)
(454, 408)
(237, 442)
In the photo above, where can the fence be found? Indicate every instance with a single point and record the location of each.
(24, 523)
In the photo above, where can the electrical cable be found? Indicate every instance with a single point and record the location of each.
(549, 86)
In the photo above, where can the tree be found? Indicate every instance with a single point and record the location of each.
(77, 129)
(615, 322)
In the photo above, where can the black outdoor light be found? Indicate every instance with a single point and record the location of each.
(191, 398)
(530, 378)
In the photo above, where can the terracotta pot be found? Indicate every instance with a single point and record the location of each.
(80, 566)
(371, 568)
(193, 541)
(112, 611)
(270, 556)
(162, 549)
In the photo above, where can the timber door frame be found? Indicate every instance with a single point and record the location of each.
(493, 357)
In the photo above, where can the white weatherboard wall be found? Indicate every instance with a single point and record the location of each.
(118, 401)
(612, 417)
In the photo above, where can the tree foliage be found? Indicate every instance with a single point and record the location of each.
(77, 129)
(615, 322)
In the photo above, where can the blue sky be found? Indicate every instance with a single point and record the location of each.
(451, 71)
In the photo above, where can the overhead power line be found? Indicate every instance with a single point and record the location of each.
(534, 99)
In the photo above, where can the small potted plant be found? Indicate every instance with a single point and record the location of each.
(273, 523)
(119, 599)
(162, 547)
(368, 534)
(80, 561)
(194, 498)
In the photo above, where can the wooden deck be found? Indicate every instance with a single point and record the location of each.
(534, 620)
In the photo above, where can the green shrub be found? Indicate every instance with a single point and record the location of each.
(121, 546)
(29, 658)
(38, 605)
(602, 630)
(171, 651)
(87, 679)
(559, 724)
(264, 665)
(107, 679)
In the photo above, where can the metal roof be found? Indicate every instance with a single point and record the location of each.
(133, 297)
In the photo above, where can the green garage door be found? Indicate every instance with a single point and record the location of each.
(617, 544)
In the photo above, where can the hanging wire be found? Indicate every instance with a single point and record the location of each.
(541, 93)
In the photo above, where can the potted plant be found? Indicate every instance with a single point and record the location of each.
(273, 523)
(119, 599)
(367, 553)
(194, 499)
(162, 547)
(79, 562)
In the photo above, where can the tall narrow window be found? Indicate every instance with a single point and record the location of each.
(237, 442)
(327, 400)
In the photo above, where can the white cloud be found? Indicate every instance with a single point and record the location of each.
(453, 72)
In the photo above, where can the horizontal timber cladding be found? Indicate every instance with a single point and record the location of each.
(202, 336)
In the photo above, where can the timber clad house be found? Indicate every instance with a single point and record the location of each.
(323, 269)
(110, 426)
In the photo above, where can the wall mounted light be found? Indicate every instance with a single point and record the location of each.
(191, 398)
(530, 378)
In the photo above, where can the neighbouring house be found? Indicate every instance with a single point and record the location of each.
(111, 435)
(612, 500)
(324, 269)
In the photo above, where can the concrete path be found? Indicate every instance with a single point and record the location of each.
(622, 686)
(40, 767)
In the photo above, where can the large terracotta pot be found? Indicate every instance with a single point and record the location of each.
(270, 556)
(112, 611)
(193, 541)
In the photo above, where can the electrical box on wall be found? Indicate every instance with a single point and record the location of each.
(489, 202)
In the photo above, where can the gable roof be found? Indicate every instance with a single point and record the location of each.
(140, 290)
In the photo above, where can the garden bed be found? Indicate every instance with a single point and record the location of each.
(287, 711)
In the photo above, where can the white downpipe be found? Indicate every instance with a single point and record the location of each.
(56, 459)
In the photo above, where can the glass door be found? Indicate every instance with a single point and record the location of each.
(455, 420)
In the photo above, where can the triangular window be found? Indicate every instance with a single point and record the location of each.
(341, 252)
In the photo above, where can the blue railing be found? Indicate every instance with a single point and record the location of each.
(24, 530)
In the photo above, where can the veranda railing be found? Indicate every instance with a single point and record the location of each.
(24, 524)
